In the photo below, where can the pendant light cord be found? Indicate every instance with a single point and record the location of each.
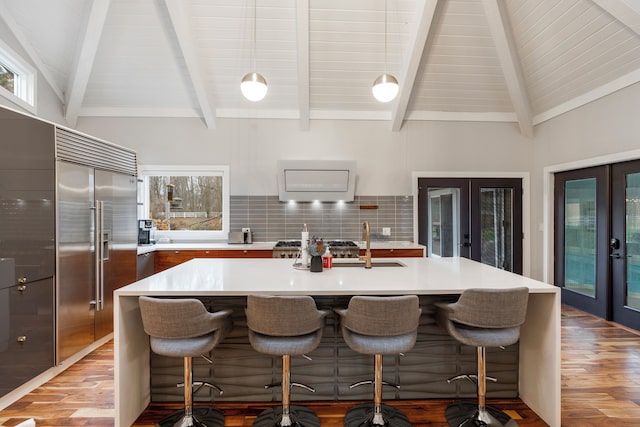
(253, 56)
(385, 36)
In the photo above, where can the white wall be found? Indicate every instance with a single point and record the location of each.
(385, 159)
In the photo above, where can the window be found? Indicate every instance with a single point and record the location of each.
(17, 79)
(186, 202)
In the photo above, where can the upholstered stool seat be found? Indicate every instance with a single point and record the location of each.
(184, 328)
(483, 318)
(285, 326)
(378, 326)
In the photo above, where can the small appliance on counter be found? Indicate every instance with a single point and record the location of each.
(144, 232)
(245, 236)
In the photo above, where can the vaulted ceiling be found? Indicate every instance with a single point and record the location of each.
(521, 61)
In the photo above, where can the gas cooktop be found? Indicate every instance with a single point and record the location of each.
(338, 248)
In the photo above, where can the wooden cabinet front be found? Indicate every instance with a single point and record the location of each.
(394, 253)
(168, 259)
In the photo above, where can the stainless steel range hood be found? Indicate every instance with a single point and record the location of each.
(322, 180)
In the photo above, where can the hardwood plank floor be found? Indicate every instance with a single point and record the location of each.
(600, 387)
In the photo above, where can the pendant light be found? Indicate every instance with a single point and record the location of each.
(253, 85)
(385, 87)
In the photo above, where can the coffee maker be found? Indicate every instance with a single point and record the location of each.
(144, 231)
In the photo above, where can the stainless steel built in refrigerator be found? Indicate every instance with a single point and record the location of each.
(96, 244)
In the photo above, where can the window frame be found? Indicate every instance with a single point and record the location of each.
(24, 94)
(144, 171)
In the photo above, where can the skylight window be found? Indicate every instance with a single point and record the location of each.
(17, 79)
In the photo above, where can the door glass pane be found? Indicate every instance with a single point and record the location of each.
(444, 222)
(633, 239)
(580, 236)
(496, 222)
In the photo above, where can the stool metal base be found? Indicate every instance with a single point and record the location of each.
(466, 414)
(298, 416)
(203, 416)
(363, 416)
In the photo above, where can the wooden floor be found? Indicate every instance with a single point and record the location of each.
(600, 387)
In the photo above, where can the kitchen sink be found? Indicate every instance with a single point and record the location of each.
(373, 264)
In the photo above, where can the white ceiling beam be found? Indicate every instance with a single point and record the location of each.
(302, 38)
(418, 46)
(83, 62)
(28, 47)
(508, 56)
(182, 29)
(623, 11)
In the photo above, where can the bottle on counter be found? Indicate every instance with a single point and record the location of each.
(327, 259)
(304, 243)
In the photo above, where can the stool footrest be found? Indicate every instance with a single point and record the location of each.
(472, 378)
(199, 384)
(365, 382)
(304, 386)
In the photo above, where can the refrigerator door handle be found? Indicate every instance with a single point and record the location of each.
(98, 255)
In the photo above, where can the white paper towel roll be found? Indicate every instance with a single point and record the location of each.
(304, 242)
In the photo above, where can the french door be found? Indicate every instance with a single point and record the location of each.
(597, 243)
(476, 218)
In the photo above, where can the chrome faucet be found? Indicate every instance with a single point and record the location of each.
(366, 236)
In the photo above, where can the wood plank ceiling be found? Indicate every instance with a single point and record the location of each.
(521, 61)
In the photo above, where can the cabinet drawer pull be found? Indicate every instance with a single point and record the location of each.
(21, 338)
(22, 288)
(390, 250)
(245, 251)
(22, 280)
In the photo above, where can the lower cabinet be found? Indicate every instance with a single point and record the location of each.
(146, 265)
(168, 259)
(395, 253)
(26, 332)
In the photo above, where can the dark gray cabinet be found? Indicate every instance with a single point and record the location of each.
(146, 265)
(26, 332)
(27, 248)
(27, 195)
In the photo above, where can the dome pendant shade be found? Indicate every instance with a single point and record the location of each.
(385, 88)
(253, 86)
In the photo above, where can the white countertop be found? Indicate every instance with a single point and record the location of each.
(401, 244)
(223, 276)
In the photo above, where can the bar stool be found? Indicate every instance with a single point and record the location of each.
(184, 328)
(483, 318)
(377, 326)
(285, 326)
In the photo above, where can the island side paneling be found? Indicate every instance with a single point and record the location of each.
(421, 373)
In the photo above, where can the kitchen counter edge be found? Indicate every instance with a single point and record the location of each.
(143, 249)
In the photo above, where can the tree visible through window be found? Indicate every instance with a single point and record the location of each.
(17, 79)
(186, 202)
(7, 78)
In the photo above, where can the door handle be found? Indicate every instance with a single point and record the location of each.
(615, 255)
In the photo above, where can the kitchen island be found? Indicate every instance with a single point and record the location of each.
(538, 369)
